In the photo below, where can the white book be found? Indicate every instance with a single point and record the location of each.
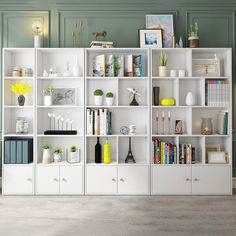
(101, 112)
(220, 94)
(105, 122)
(210, 94)
(96, 122)
(217, 94)
(129, 65)
(87, 118)
(92, 122)
(224, 94)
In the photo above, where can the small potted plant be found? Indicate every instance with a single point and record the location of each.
(193, 37)
(163, 65)
(98, 93)
(74, 154)
(57, 154)
(47, 92)
(46, 154)
(20, 89)
(109, 98)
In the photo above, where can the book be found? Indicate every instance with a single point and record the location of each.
(99, 66)
(128, 65)
(137, 66)
(109, 66)
(119, 65)
(101, 44)
(96, 122)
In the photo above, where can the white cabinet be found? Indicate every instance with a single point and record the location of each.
(101, 179)
(59, 179)
(211, 180)
(71, 179)
(18, 179)
(47, 180)
(133, 179)
(171, 180)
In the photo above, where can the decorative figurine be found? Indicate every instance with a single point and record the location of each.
(133, 94)
(178, 127)
(102, 34)
(130, 157)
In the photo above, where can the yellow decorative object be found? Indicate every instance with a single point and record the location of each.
(168, 102)
(107, 152)
(20, 88)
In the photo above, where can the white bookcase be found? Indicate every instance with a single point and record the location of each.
(143, 177)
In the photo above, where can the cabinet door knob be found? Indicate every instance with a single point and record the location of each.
(55, 179)
(196, 179)
(63, 179)
(122, 180)
(29, 179)
(113, 179)
(187, 179)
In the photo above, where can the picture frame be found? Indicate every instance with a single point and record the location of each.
(64, 96)
(150, 38)
(178, 127)
(164, 22)
(212, 148)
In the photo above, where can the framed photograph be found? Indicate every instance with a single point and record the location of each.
(150, 38)
(212, 148)
(164, 22)
(64, 97)
(178, 127)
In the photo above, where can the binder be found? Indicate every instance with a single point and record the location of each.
(13, 152)
(7, 151)
(19, 152)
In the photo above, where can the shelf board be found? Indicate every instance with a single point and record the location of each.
(101, 164)
(189, 135)
(116, 107)
(163, 78)
(117, 78)
(19, 78)
(118, 135)
(21, 107)
(60, 136)
(29, 164)
(63, 106)
(18, 135)
(138, 163)
(62, 163)
(60, 78)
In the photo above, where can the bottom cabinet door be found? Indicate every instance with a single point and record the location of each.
(18, 180)
(211, 180)
(71, 179)
(133, 179)
(101, 179)
(171, 180)
(47, 180)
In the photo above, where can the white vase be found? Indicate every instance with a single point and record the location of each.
(46, 156)
(75, 70)
(74, 157)
(98, 100)
(37, 41)
(190, 99)
(109, 101)
(47, 100)
(56, 157)
(162, 71)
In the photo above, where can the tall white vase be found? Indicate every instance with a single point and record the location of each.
(190, 99)
(76, 68)
(46, 156)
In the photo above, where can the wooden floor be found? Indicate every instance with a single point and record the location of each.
(112, 216)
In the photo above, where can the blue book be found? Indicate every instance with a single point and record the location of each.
(19, 152)
(13, 152)
(25, 154)
(7, 151)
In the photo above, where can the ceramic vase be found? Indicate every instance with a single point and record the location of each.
(109, 101)
(98, 100)
(21, 100)
(46, 156)
(190, 99)
(162, 71)
(74, 157)
(56, 157)
(47, 100)
(76, 68)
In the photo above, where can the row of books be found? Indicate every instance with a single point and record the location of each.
(223, 123)
(217, 93)
(186, 154)
(98, 122)
(163, 152)
(18, 151)
(101, 44)
(118, 65)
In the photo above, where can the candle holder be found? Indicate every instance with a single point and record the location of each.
(206, 127)
(169, 124)
(163, 123)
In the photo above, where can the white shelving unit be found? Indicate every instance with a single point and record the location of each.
(144, 177)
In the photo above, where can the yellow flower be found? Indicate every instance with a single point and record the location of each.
(20, 88)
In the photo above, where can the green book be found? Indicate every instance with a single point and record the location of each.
(7, 151)
(13, 152)
(19, 152)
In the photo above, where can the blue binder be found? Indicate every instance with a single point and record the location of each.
(13, 152)
(19, 159)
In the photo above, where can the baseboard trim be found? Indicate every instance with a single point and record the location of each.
(234, 182)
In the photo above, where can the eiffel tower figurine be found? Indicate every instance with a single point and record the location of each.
(130, 157)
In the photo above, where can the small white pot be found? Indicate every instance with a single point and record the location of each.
(74, 157)
(47, 100)
(98, 100)
(46, 156)
(162, 71)
(56, 157)
(109, 101)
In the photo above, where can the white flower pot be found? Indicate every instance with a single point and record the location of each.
(190, 99)
(109, 101)
(162, 71)
(47, 100)
(56, 157)
(98, 100)
(46, 156)
(74, 157)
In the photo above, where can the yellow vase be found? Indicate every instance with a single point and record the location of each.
(107, 152)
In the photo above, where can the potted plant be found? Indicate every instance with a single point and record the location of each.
(163, 65)
(98, 93)
(57, 154)
(20, 89)
(193, 37)
(109, 98)
(74, 154)
(47, 92)
(46, 154)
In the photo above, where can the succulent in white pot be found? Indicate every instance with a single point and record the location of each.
(74, 154)
(57, 155)
(109, 98)
(46, 154)
(98, 97)
(47, 93)
(163, 65)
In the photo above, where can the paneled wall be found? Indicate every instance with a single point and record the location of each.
(121, 19)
